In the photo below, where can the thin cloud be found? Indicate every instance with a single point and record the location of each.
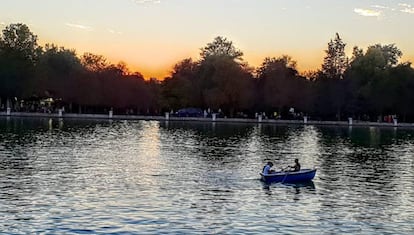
(367, 12)
(404, 5)
(114, 31)
(380, 7)
(79, 26)
(407, 8)
(147, 1)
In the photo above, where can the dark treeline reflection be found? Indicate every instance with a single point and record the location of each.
(366, 137)
(213, 143)
(370, 85)
(360, 163)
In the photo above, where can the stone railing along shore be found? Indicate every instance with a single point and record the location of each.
(214, 118)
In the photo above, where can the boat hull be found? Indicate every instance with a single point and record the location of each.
(290, 177)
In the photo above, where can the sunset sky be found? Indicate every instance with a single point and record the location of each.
(152, 35)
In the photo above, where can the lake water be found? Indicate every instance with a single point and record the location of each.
(149, 177)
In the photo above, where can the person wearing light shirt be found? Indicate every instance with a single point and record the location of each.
(267, 169)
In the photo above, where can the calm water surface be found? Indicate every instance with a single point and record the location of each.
(148, 177)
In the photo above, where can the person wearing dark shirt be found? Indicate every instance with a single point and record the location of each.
(295, 167)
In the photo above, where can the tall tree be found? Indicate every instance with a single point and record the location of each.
(18, 39)
(390, 54)
(370, 80)
(331, 88)
(18, 55)
(94, 62)
(357, 53)
(56, 72)
(180, 89)
(277, 83)
(224, 81)
(402, 84)
(335, 61)
(221, 47)
(226, 84)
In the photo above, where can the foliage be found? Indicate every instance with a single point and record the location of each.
(373, 83)
(94, 63)
(18, 39)
(330, 89)
(373, 88)
(225, 85)
(335, 61)
(18, 55)
(180, 90)
(218, 81)
(278, 80)
(221, 47)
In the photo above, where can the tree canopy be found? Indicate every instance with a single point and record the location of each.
(368, 85)
(221, 47)
(18, 39)
(335, 62)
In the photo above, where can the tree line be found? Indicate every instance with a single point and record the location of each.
(366, 86)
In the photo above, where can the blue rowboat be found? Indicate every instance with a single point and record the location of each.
(290, 176)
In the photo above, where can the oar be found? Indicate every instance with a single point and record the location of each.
(287, 172)
(284, 169)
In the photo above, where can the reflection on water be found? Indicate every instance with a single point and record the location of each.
(145, 177)
(295, 188)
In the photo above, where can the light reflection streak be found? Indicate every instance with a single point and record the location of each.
(190, 177)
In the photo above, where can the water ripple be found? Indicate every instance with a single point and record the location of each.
(127, 177)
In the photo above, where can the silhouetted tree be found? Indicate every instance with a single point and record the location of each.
(18, 55)
(180, 89)
(154, 103)
(56, 71)
(402, 84)
(18, 39)
(94, 62)
(335, 62)
(278, 81)
(371, 85)
(369, 76)
(226, 84)
(390, 54)
(221, 47)
(331, 88)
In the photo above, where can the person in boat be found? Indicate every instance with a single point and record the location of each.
(267, 169)
(295, 167)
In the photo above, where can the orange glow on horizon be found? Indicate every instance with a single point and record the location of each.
(160, 74)
(305, 62)
(153, 63)
(313, 62)
(151, 36)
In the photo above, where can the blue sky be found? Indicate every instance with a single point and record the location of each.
(152, 35)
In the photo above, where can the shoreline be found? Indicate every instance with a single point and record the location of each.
(211, 120)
